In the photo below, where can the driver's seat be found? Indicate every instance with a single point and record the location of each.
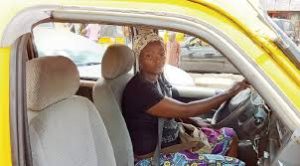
(107, 93)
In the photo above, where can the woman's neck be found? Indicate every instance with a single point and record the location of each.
(149, 77)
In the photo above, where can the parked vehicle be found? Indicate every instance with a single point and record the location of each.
(198, 57)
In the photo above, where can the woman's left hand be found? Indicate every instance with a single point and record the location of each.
(237, 87)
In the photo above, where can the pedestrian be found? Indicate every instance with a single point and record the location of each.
(172, 50)
(92, 31)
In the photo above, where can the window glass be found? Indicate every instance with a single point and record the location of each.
(193, 62)
(84, 44)
(192, 54)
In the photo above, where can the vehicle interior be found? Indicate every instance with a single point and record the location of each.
(74, 88)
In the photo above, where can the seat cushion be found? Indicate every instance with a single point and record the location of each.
(107, 93)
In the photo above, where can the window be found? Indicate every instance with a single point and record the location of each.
(197, 63)
(198, 56)
(84, 44)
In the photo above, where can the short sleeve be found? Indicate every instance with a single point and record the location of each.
(148, 96)
(139, 96)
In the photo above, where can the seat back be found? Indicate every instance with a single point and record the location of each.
(107, 94)
(65, 129)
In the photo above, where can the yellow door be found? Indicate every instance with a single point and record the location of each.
(5, 150)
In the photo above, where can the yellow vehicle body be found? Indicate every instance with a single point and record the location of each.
(245, 29)
(5, 152)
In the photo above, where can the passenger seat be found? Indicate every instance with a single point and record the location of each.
(107, 94)
(65, 129)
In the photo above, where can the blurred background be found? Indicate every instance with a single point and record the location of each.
(286, 14)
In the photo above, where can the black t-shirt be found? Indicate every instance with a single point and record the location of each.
(140, 95)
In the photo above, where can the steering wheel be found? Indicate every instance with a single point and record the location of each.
(228, 113)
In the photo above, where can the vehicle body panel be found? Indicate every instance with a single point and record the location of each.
(5, 152)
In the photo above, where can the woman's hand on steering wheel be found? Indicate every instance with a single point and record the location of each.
(237, 87)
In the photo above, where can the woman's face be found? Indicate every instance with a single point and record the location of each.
(152, 58)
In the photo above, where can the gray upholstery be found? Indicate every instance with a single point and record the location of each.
(49, 80)
(107, 94)
(117, 60)
(68, 131)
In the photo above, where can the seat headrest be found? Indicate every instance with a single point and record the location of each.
(117, 60)
(49, 80)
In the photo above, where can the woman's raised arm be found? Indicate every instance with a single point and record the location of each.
(170, 108)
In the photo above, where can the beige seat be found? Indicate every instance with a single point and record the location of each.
(116, 63)
(65, 129)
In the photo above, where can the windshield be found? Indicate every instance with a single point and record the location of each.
(287, 42)
(284, 25)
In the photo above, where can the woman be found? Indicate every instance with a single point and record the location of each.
(145, 99)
